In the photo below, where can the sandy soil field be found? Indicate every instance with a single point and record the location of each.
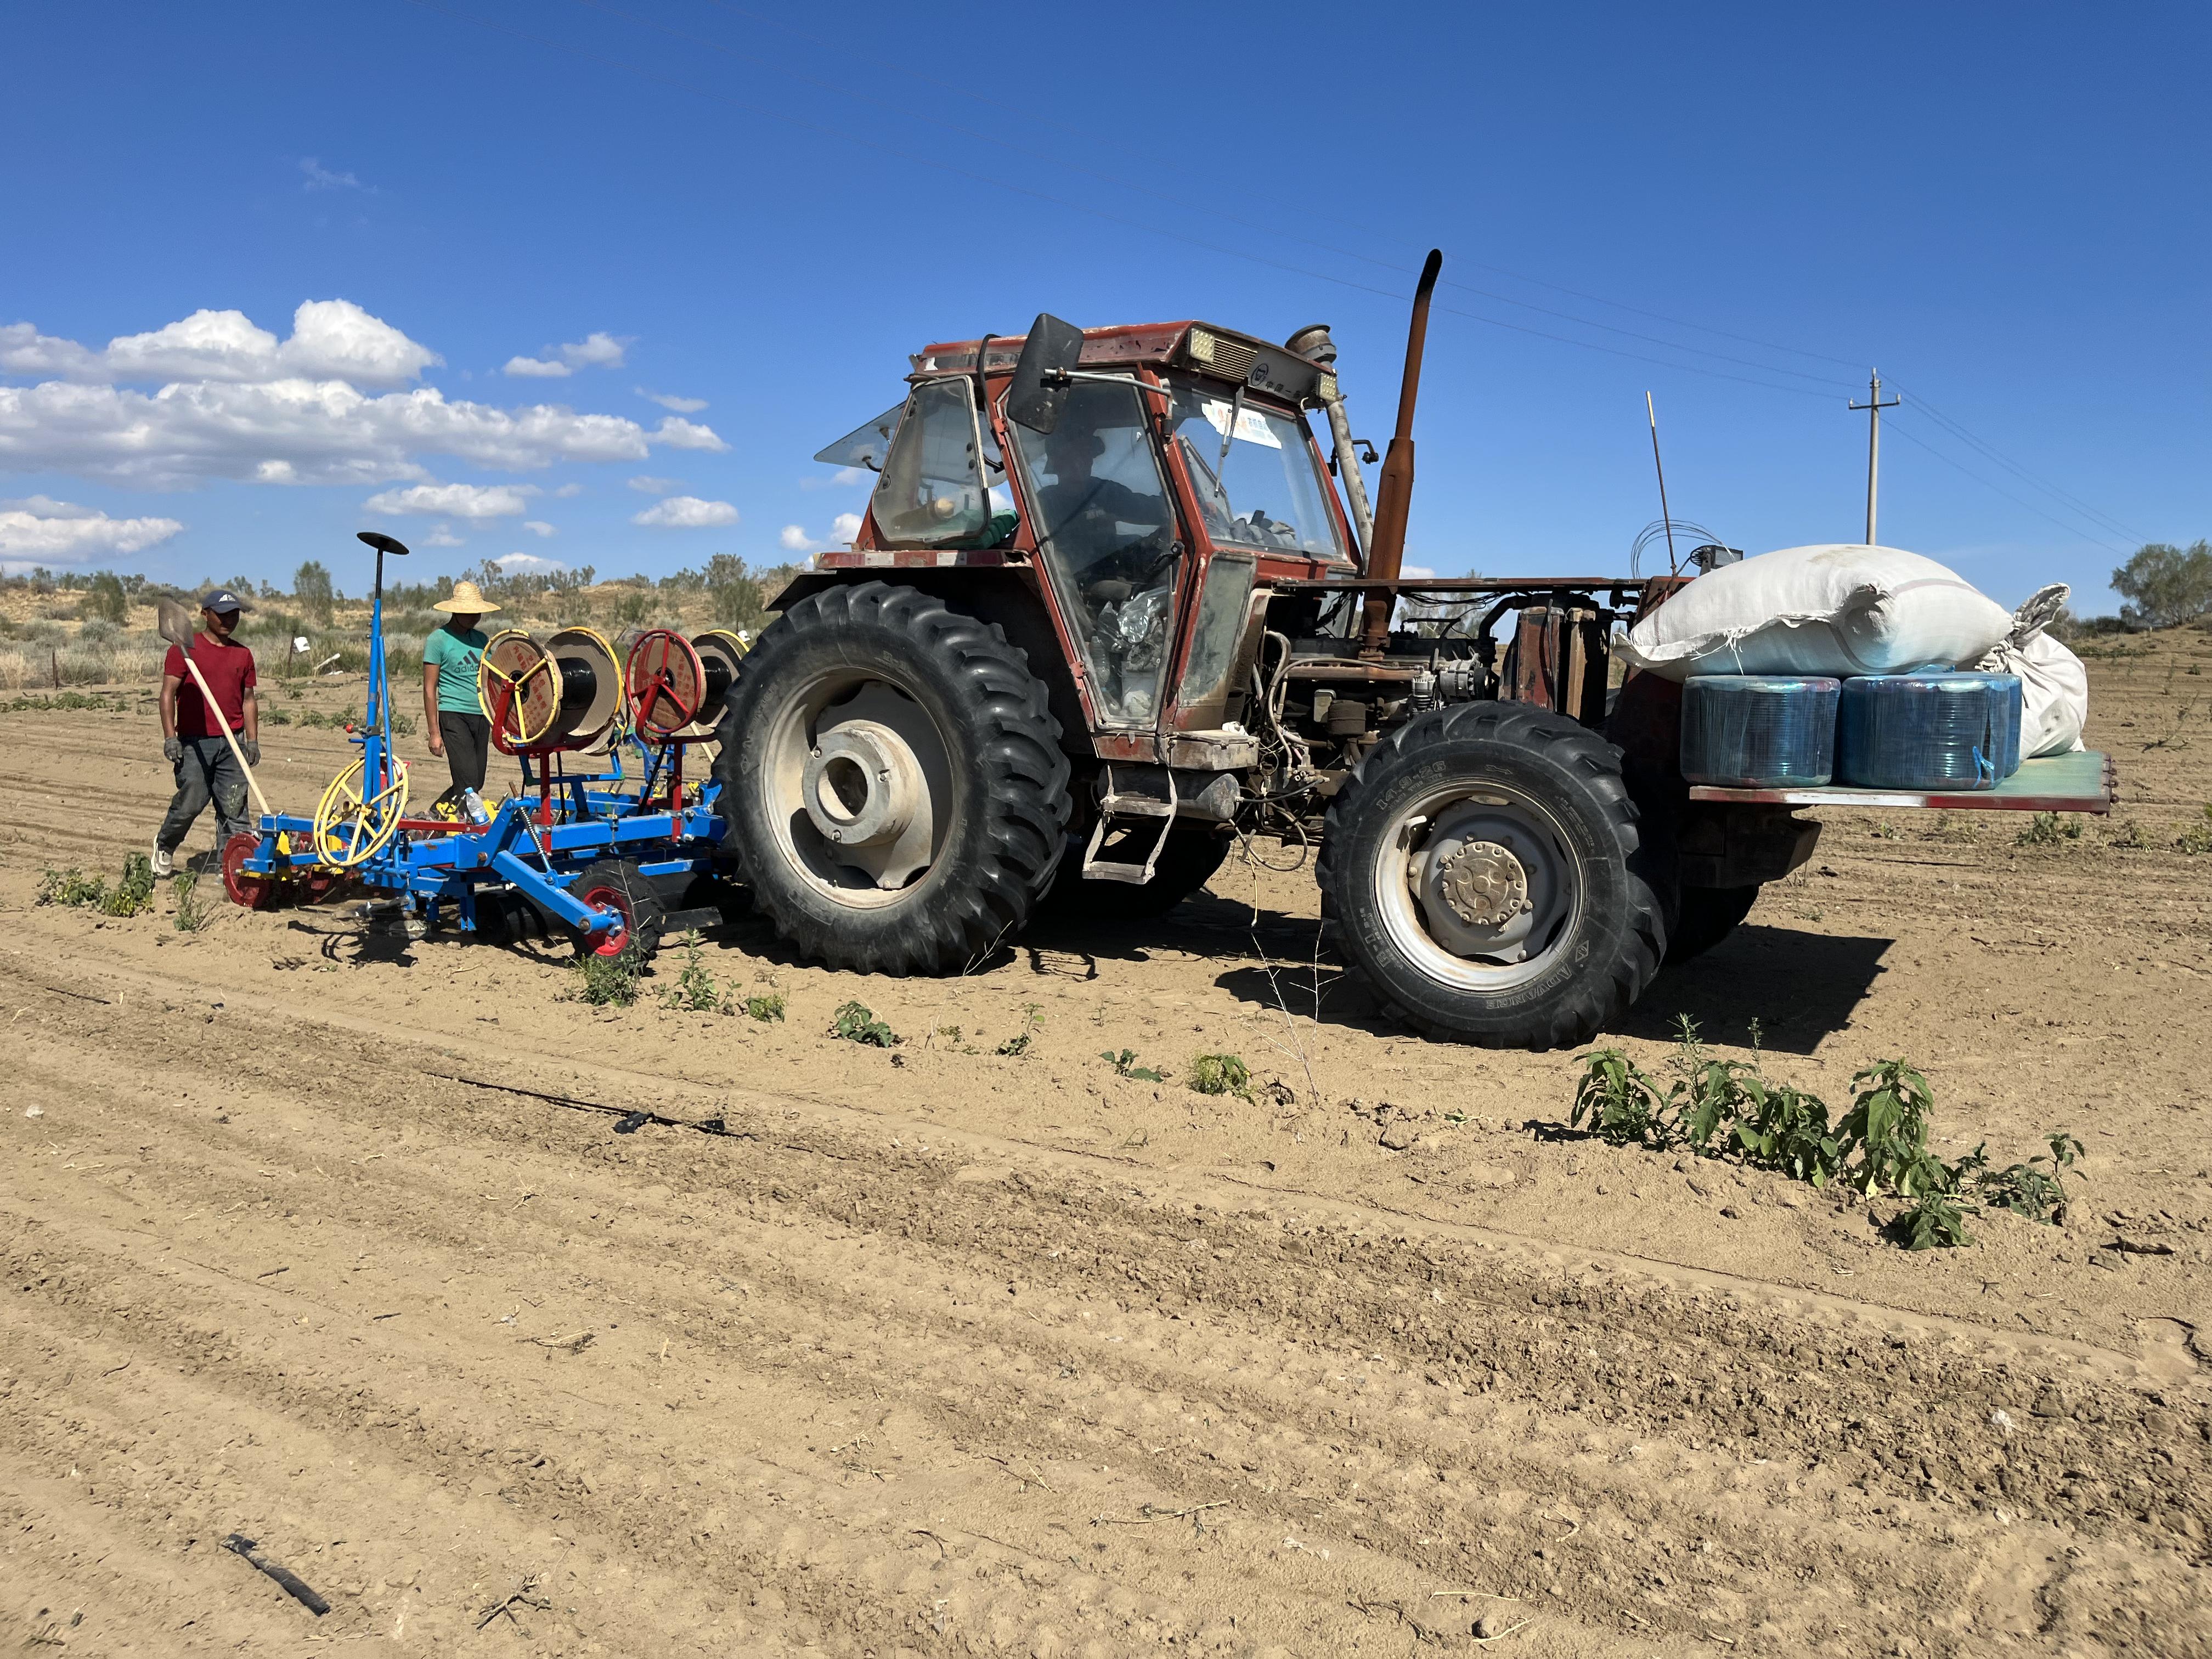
(332, 1242)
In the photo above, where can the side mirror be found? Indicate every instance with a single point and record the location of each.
(1041, 382)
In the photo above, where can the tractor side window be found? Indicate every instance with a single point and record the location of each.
(1108, 534)
(1253, 470)
(933, 493)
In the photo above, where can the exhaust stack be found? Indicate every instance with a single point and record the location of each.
(1314, 344)
(1395, 498)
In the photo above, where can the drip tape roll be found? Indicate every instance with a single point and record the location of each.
(1932, 730)
(579, 684)
(1759, 731)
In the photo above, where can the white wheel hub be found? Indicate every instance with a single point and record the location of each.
(863, 789)
(860, 787)
(1477, 886)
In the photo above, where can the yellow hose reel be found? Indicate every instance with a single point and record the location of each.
(352, 823)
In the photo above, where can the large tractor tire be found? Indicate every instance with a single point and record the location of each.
(893, 779)
(1703, 917)
(1194, 851)
(1483, 869)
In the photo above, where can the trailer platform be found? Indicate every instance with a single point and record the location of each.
(2082, 781)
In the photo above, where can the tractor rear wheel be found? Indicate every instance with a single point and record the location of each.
(1483, 868)
(619, 886)
(893, 779)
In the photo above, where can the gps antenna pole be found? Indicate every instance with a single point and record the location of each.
(1674, 565)
(1385, 556)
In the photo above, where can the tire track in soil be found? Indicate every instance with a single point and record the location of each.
(873, 1268)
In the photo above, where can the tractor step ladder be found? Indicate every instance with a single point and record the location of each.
(1113, 805)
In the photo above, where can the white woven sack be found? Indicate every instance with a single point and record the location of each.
(1839, 609)
(2054, 686)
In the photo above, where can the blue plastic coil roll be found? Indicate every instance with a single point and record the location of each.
(1929, 731)
(1759, 731)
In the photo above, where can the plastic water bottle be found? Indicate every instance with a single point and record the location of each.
(472, 805)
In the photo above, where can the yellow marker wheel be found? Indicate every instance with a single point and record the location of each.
(352, 824)
(519, 689)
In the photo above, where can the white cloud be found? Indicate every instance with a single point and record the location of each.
(320, 177)
(337, 339)
(843, 529)
(42, 531)
(686, 513)
(569, 491)
(291, 432)
(686, 435)
(843, 478)
(652, 486)
(236, 403)
(528, 564)
(596, 351)
(24, 351)
(539, 527)
(441, 535)
(600, 350)
(669, 400)
(1413, 573)
(457, 501)
(332, 339)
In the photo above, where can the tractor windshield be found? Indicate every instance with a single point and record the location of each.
(1108, 534)
(1253, 470)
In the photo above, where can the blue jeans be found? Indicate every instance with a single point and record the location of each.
(209, 771)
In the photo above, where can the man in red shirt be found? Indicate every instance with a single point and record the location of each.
(192, 740)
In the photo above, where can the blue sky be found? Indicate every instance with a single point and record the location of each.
(757, 213)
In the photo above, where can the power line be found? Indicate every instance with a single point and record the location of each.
(1958, 430)
(1092, 137)
(2074, 531)
(1026, 154)
(1088, 210)
(974, 177)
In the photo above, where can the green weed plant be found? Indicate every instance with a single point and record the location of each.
(1730, 1109)
(855, 1022)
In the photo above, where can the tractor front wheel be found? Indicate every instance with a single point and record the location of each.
(893, 779)
(1483, 868)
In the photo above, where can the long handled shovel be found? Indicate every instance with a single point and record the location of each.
(175, 623)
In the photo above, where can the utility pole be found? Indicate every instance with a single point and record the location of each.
(1874, 406)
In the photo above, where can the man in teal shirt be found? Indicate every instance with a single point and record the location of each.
(451, 710)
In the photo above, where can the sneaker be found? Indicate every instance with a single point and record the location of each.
(164, 862)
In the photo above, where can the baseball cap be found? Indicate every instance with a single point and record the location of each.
(221, 599)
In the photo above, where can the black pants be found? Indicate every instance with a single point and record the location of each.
(209, 771)
(468, 747)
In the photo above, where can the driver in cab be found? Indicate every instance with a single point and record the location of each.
(1102, 527)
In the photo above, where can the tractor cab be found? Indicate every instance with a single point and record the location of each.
(1164, 476)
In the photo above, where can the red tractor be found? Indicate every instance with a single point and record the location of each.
(1107, 610)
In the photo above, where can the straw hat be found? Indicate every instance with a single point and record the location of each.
(467, 601)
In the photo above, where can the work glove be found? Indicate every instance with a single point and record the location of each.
(173, 749)
(251, 748)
